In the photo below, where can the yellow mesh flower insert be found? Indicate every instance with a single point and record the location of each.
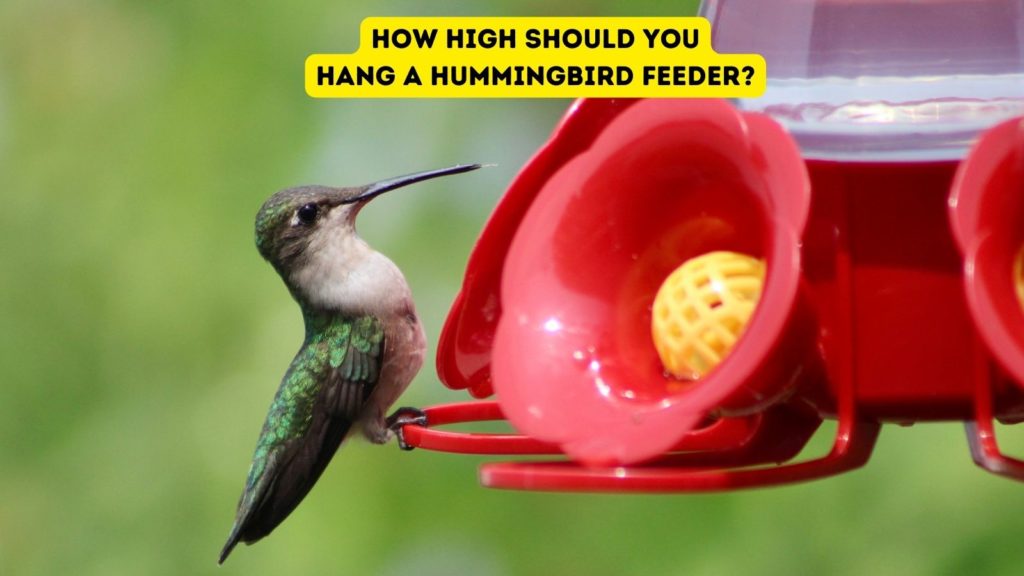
(701, 309)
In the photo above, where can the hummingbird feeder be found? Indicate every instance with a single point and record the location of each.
(672, 295)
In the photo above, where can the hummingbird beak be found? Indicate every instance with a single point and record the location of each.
(378, 188)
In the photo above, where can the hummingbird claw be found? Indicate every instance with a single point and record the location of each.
(397, 421)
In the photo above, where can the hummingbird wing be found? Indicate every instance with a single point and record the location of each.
(319, 399)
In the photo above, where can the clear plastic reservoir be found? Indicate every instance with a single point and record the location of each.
(880, 80)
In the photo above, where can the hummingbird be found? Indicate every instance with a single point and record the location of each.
(363, 345)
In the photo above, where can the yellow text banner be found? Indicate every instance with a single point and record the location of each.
(468, 57)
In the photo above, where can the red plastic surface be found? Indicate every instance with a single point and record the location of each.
(888, 297)
(721, 436)
(669, 476)
(470, 443)
(986, 207)
(981, 435)
(464, 349)
(664, 182)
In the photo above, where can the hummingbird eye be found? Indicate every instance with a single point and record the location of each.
(308, 212)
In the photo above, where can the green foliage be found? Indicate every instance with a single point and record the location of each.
(143, 337)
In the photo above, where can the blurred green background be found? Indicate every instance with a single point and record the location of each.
(142, 338)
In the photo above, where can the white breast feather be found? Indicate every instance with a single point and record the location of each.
(342, 271)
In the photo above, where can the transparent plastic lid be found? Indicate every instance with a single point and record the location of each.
(880, 80)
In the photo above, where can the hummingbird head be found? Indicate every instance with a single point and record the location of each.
(308, 226)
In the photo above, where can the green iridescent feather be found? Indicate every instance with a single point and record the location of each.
(321, 395)
(329, 340)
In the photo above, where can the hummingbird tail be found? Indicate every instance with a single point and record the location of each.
(233, 539)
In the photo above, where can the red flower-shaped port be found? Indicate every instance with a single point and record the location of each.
(555, 308)
(464, 350)
(986, 209)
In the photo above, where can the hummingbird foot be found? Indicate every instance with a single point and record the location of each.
(397, 421)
